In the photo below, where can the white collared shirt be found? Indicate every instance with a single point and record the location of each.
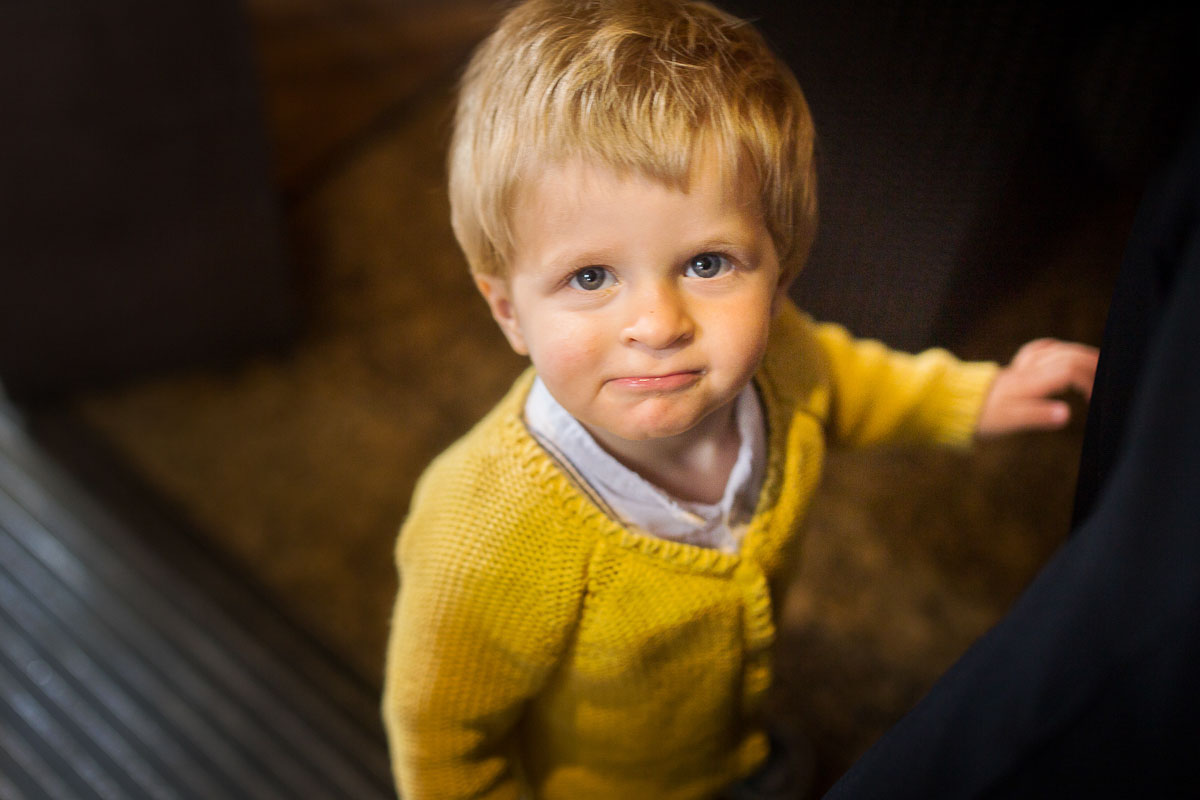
(638, 504)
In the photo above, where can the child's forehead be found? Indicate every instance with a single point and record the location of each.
(576, 177)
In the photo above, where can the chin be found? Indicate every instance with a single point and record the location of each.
(646, 423)
(652, 431)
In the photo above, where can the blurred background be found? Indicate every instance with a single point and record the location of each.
(229, 291)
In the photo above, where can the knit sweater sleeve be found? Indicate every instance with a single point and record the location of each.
(486, 603)
(881, 395)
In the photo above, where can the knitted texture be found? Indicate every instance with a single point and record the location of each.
(540, 649)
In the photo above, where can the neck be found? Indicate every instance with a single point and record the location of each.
(692, 466)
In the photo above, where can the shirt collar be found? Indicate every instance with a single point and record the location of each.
(635, 502)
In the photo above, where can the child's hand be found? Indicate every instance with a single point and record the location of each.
(1020, 396)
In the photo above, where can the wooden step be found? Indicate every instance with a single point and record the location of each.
(124, 674)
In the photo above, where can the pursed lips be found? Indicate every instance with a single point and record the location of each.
(659, 383)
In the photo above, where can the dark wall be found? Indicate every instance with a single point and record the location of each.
(138, 227)
(955, 137)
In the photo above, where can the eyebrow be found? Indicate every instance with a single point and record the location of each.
(719, 243)
(568, 259)
(726, 241)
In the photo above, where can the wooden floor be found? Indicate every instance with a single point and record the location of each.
(127, 674)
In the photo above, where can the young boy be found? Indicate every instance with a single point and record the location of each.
(589, 577)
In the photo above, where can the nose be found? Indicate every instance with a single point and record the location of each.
(659, 318)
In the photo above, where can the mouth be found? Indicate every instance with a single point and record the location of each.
(658, 383)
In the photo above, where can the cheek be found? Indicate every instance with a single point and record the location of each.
(743, 354)
(746, 328)
(566, 352)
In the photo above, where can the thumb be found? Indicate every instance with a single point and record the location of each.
(1033, 414)
(1042, 414)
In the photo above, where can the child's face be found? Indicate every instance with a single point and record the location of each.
(644, 309)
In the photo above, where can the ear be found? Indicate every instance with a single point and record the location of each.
(781, 291)
(498, 294)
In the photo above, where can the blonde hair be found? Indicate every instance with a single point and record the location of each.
(633, 85)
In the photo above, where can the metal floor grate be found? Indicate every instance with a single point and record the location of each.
(120, 677)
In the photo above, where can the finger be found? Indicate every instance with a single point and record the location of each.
(1043, 379)
(1040, 415)
(1040, 350)
(1084, 371)
(1076, 367)
(1057, 370)
(1031, 351)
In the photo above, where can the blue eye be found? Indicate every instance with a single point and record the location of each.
(707, 265)
(591, 278)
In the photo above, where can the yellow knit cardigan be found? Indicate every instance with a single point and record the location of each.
(539, 649)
